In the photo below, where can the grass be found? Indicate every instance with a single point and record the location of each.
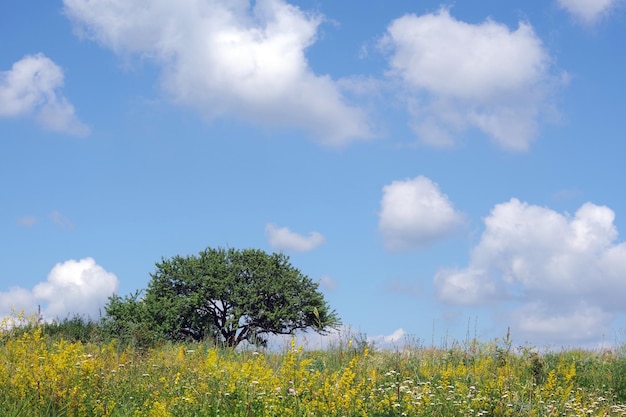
(70, 369)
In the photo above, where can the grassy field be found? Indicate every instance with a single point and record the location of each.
(45, 374)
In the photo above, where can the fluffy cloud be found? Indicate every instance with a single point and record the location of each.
(281, 238)
(588, 11)
(415, 213)
(460, 76)
(16, 300)
(228, 58)
(73, 287)
(31, 88)
(390, 339)
(565, 272)
(465, 286)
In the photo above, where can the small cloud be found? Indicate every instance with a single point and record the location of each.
(15, 300)
(328, 283)
(73, 287)
(281, 238)
(415, 213)
(465, 287)
(396, 286)
(27, 221)
(588, 11)
(568, 194)
(390, 339)
(315, 341)
(31, 88)
(60, 220)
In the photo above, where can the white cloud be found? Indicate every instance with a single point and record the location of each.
(328, 283)
(315, 341)
(390, 339)
(16, 300)
(228, 58)
(60, 220)
(27, 221)
(460, 76)
(588, 11)
(56, 217)
(567, 194)
(566, 271)
(73, 287)
(31, 88)
(466, 286)
(415, 213)
(580, 323)
(281, 238)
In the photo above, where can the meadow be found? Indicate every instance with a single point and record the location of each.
(78, 373)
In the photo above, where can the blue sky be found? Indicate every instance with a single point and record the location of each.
(440, 168)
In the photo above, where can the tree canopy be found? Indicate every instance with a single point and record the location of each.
(226, 295)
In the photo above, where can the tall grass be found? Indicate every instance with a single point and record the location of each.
(46, 371)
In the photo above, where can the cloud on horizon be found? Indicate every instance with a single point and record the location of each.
(229, 59)
(457, 76)
(414, 213)
(564, 273)
(389, 340)
(283, 239)
(72, 287)
(31, 88)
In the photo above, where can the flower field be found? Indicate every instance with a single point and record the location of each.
(44, 376)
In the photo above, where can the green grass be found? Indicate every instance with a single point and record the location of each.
(73, 368)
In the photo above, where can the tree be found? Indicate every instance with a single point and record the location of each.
(229, 296)
(128, 320)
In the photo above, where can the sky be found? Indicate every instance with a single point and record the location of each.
(444, 171)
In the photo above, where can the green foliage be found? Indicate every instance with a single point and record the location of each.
(128, 321)
(224, 295)
(46, 375)
(618, 377)
(73, 329)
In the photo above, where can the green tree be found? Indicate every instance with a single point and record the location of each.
(226, 295)
(128, 319)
